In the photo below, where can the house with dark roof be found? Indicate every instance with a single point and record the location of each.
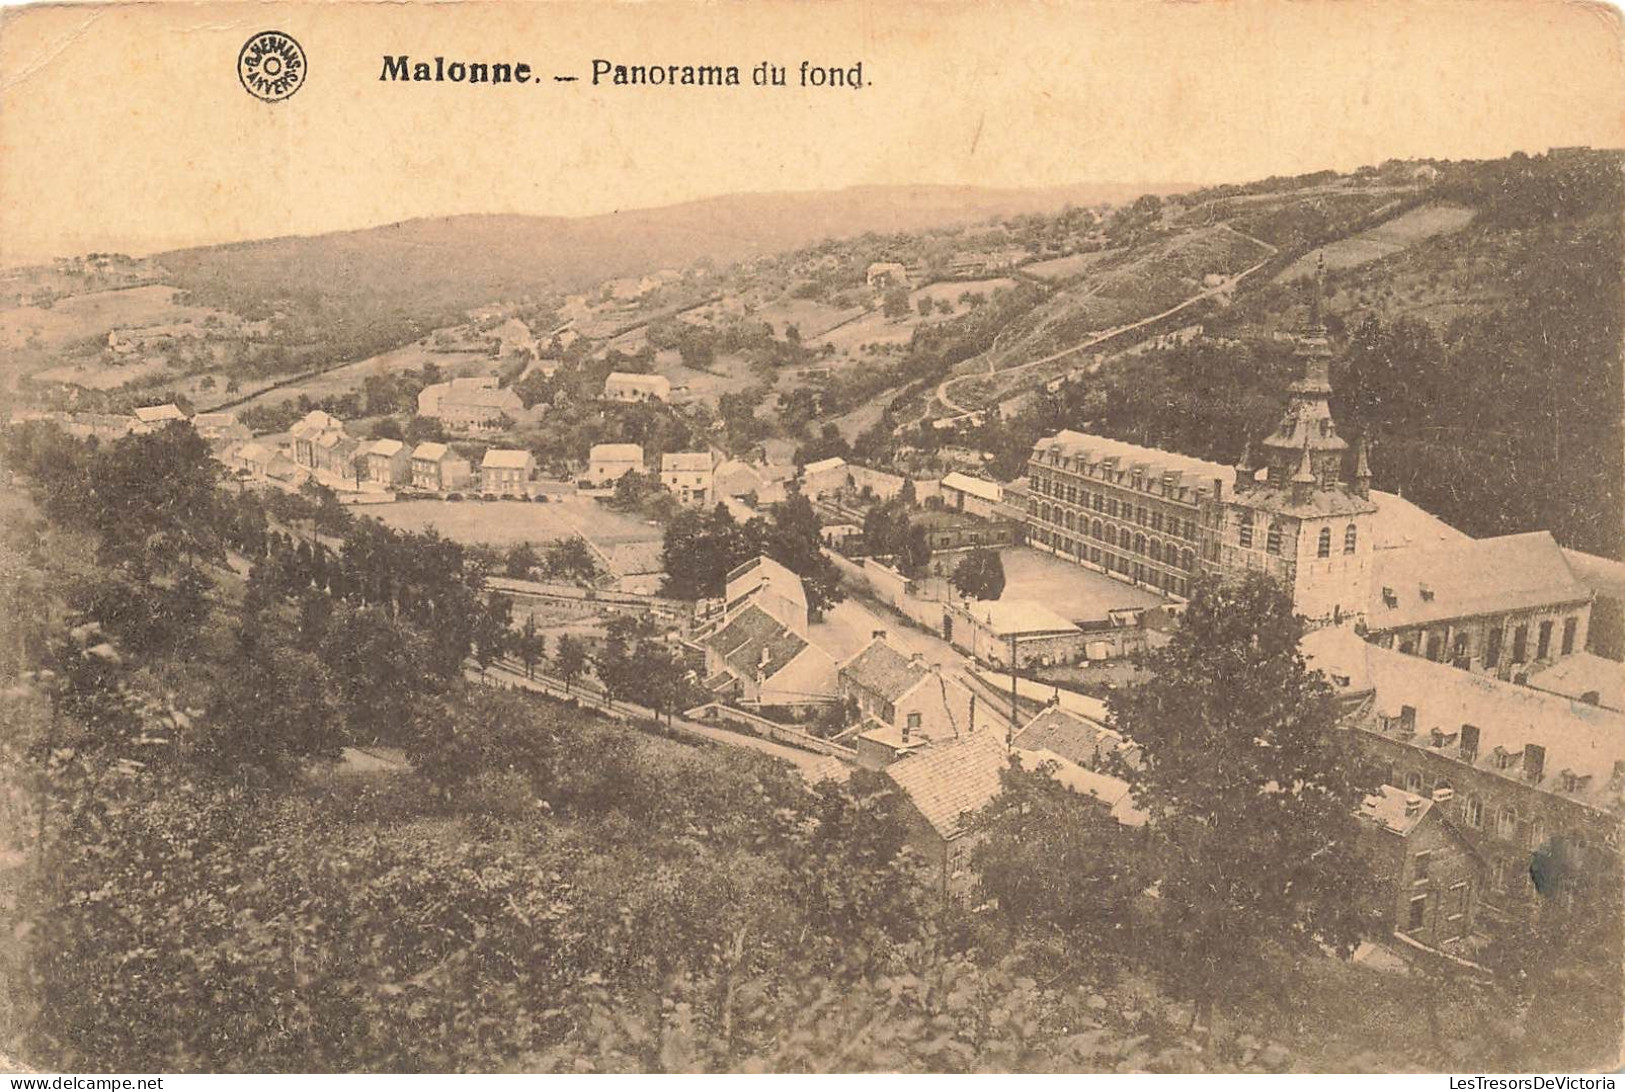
(773, 588)
(1079, 740)
(756, 659)
(1428, 876)
(904, 704)
(1497, 605)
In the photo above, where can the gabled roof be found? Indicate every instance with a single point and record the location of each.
(883, 670)
(637, 381)
(1478, 576)
(499, 458)
(763, 572)
(685, 462)
(952, 778)
(835, 462)
(205, 421)
(752, 640)
(1584, 673)
(169, 411)
(616, 453)
(1583, 740)
(431, 451)
(976, 487)
(386, 447)
(1399, 524)
(1074, 738)
(314, 424)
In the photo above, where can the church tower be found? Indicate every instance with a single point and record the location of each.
(1308, 520)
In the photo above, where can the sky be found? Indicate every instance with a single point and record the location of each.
(124, 127)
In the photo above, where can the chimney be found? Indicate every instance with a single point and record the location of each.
(905, 730)
(1413, 806)
(917, 659)
(1425, 591)
(1534, 761)
(877, 635)
(767, 654)
(1469, 743)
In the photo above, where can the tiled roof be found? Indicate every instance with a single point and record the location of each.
(1584, 673)
(685, 461)
(1190, 472)
(1398, 523)
(976, 487)
(883, 670)
(747, 635)
(1482, 576)
(951, 778)
(613, 453)
(637, 381)
(430, 451)
(1075, 739)
(387, 448)
(169, 411)
(1583, 740)
(499, 458)
(1115, 793)
(763, 572)
(833, 463)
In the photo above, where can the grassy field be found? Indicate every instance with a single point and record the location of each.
(350, 377)
(1060, 269)
(94, 314)
(1383, 240)
(504, 523)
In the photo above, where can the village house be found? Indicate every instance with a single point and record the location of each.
(388, 462)
(152, 418)
(1428, 874)
(221, 430)
(506, 472)
(977, 496)
(826, 476)
(755, 659)
(262, 460)
(634, 387)
(307, 433)
(437, 468)
(687, 476)
(472, 404)
(883, 275)
(904, 704)
(773, 588)
(608, 463)
(1528, 773)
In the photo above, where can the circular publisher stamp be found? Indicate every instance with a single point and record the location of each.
(271, 66)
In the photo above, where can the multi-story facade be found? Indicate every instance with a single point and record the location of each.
(1531, 780)
(1160, 520)
(1137, 513)
(687, 476)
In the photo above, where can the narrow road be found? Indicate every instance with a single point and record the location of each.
(806, 761)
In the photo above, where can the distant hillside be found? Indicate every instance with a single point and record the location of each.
(413, 275)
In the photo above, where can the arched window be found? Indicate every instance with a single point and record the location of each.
(1413, 782)
(1506, 823)
(1043, 512)
(1154, 550)
(1095, 530)
(1273, 543)
(1187, 561)
(1324, 547)
(1475, 812)
(1071, 520)
(1246, 530)
(1139, 544)
(1350, 536)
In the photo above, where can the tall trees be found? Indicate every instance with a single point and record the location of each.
(569, 659)
(980, 574)
(1252, 791)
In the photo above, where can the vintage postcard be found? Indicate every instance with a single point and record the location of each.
(916, 536)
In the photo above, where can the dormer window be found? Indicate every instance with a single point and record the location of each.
(1389, 599)
(1425, 592)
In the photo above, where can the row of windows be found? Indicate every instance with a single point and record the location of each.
(1110, 506)
(1277, 532)
(1121, 537)
(1136, 480)
(1431, 643)
(1114, 562)
(1503, 822)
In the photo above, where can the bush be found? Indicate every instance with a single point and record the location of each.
(454, 496)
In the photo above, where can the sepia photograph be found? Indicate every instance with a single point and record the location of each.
(782, 538)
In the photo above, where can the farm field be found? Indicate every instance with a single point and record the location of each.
(1060, 269)
(505, 523)
(350, 377)
(1383, 240)
(95, 313)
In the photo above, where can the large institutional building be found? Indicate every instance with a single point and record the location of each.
(1306, 516)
